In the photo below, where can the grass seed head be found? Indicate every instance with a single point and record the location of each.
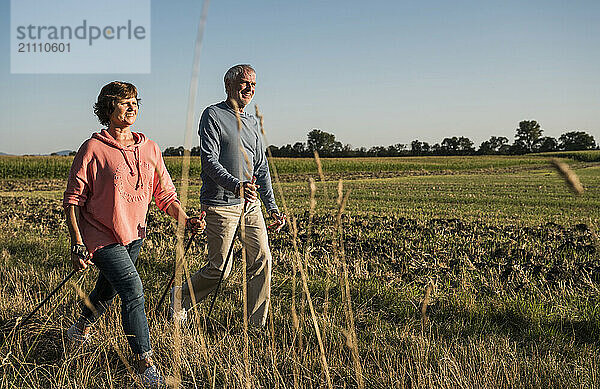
(568, 175)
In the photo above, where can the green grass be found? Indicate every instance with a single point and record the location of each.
(404, 164)
(530, 197)
(57, 167)
(582, 156)
(420, 165)
(35, 167)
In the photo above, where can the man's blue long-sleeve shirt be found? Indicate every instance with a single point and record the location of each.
(230, 156)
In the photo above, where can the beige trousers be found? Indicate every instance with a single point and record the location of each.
(221, 224)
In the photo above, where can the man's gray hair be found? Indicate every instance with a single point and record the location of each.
(236, 72)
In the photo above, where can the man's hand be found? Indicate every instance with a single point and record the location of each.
(80, 258)
(196, 224)
(248, 190)
(279, 221)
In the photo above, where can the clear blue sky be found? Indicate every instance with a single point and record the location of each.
(372, 73)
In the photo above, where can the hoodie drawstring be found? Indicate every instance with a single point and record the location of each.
(127, 161)
(136, 152)
(139, 182)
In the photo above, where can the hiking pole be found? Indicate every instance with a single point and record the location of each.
(169, 285)
(67, 278)
(187, 247)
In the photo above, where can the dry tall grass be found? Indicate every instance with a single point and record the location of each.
(482, 332)
(568, 175)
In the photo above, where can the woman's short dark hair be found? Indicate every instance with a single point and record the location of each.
(109, 96)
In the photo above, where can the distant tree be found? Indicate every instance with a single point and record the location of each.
(498, 141)
(299, 149)
(377, 151)
(171, 152)
(426, 148)
(504, 149)
(336, 149)
(576, 140)
(401, 147)
(547, 143)
(419, 148)
(485, 148)
(72, 153)
(274, 150)
(195, 151)
(450, 146)
(528, 134)
(348, 151)
(323, 142)
(392, 151)
(493, 145)
(286, 151)
(416, 147)
(465, 146)
(517, 148)
(319, 140)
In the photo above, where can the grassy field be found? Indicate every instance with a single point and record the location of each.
(508, 255)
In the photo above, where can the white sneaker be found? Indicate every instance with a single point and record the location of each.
(151, 378)
(177, 311)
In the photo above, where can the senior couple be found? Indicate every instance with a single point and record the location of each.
(116, 173)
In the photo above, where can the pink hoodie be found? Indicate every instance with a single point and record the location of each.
(113, 185)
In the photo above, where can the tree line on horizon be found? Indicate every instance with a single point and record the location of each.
(528, 139)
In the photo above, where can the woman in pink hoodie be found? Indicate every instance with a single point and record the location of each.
(113, 179)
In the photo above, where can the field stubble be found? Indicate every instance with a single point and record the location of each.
(513, 258)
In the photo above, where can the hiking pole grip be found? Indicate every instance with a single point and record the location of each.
(67, 278)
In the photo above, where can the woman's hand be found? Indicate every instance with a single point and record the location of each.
(196, 224)
(80, 258)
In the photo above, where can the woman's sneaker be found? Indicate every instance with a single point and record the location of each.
(151, 378)
(77, 337)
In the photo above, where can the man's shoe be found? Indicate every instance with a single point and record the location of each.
(177, 311)
(151, 378)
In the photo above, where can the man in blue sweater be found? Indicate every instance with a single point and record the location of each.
(231, 159)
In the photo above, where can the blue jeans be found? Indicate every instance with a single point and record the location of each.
(118, 275)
